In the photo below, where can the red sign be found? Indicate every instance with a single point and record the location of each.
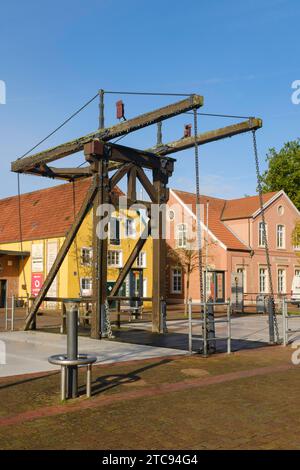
(36, 283)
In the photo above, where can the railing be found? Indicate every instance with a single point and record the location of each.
(205, 323)
(286, 316)
(10, 309)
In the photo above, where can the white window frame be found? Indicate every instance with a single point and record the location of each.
(82, 258)
(266, 281)
(176, 272)
(145, 287)
(281, 281)
(297, 272)
(261, 234)
(181, 236)
(84, 291)
(141, 260)
(280, 237)
(113, 241)
(130, 233)
(243, 270)
(115, 264)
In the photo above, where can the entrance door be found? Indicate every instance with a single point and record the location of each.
(3, 288)
(219, 286)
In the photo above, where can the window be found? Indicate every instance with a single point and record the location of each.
(281, 281)
(280, 236)
(86, 286)
(141, 260)
(261, 240)
(181, 236)
(86, 256)
(114, 231)
(130, 228)
(262, 280)
(280, 210)
(144, 287)
(297, 272)
(176, 279)
(243, 271)
(114, 258)
(171, 215)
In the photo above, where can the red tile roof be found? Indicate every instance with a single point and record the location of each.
(46, 213)
(244, 207)
(221, 209)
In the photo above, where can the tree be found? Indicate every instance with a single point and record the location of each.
(296, 236)
(284, 171)
(188, 259)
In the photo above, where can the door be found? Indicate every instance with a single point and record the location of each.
(219, 284)
(3, 288)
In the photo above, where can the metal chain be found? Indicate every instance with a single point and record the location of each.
(198, 212)
(265, 239)
(109, 333)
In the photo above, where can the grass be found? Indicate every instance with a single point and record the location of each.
(251, 412)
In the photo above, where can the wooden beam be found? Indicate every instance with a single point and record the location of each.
(206, 137)
(129, 263)
(86, 206)
(125, 127)
(158, 255)
(120, 173)
(131, 183)
(148, 186)
(98, 325)
(121, 154)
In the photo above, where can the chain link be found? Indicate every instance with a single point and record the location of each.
(108, 330)
(265, 239)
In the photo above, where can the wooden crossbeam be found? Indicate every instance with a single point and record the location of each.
(120, 173)
(86, 206)
(206, 137)
(144, 180)
(129, 263)
(125, 127)
(121, 154)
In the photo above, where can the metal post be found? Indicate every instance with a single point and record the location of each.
(190, 327)
(204, 330)
(228, 327)
(101, 109)
(63, 383)
(6, 312)
(271, 313)
(12, 313)
(89, 381)
(63, 326)
(284, 322)
(118, 311)
(72, 349)
(163, 316)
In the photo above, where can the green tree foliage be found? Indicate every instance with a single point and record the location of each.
(296, 236)
(284, 171)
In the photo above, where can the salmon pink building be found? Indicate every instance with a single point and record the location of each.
(232, 242)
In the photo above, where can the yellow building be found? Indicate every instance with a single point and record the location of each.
(46, 216)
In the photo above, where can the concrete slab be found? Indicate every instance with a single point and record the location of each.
(28, 351)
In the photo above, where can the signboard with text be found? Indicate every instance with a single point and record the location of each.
(36, 283)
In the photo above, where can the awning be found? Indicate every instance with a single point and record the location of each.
(22, 254)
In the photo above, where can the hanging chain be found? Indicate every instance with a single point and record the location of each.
(198, 212)
(108, 329)
(265, 239)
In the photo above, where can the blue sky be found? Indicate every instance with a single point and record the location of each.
(241, 56)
